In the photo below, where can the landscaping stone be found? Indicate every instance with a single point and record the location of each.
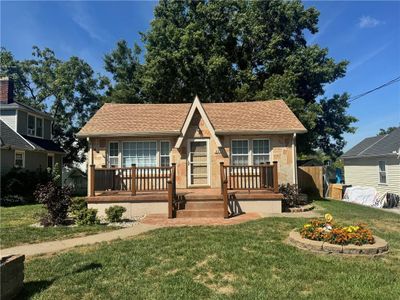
(379, 247)
(302, 208)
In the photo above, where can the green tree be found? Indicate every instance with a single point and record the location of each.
(68, 90)
(383, 131)
(242, 50)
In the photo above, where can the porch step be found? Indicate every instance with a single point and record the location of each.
(204, 205)
(202, 197)
(199, 213)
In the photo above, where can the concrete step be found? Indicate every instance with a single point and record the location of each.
(204, 205)
(200, 213)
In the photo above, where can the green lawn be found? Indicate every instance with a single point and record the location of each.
(246, 261)
(15, 229)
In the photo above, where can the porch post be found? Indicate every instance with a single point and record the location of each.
(133, 179)
(91, 180)
(263, 169)
(221, 173)
(275, 175)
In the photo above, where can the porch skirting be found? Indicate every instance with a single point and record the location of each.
(271, 206)
(133, 209)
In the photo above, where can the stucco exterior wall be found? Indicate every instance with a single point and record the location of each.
(365, 172)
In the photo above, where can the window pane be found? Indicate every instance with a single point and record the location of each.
(143, 154)
(382, 177)
(39, 127)
(382, 166)
(240, 147)
(165, 161)
(258, 159)
(31, 125)
(240, 160)
(50, 161)
(260, 146)
(113, 149)
(165, 148)
(19, 160)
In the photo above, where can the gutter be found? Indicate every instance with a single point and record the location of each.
(283, 131)
(134, 134)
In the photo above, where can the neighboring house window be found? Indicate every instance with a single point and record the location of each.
(19, 161)
(164, 154)
(35, 126)
(113, 155)
(260, 151)
(382, 172)
(50, 161)
(142, 154)
(240, 152)
(31, 125)
(39, 127)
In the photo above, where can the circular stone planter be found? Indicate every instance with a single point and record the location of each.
(379, 247)
(302, 208)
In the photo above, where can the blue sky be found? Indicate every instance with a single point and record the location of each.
(365, 33)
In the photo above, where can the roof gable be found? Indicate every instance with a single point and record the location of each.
(196, 105)
(388, 144)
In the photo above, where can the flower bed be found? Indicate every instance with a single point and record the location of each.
(329, 231)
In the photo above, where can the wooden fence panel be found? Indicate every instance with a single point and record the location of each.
(310, 180)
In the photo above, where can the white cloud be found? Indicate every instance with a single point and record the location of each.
(368, 22)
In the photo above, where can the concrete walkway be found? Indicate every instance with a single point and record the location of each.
(56, 246)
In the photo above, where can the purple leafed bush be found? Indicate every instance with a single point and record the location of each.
(56, 199)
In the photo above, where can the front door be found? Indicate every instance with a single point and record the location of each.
(198, 166)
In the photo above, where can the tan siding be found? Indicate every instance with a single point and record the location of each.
(364, 172)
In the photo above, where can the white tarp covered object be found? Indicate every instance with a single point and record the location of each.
(364, 195)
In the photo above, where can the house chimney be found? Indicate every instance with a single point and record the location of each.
(6, 91)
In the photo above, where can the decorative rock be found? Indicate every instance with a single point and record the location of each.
(303, 208)
(379, 247)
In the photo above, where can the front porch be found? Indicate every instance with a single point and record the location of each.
(153, 190)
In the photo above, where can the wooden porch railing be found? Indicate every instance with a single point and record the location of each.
(260, 177)
(135, 179)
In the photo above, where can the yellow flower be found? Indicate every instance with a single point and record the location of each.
(328, 218)
(307, 225)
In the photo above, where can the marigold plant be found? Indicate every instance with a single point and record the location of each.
(328, 231)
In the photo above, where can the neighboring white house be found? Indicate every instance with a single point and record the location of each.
(375, 162)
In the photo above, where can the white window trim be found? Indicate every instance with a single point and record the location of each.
(379, 173)
(248, 151)
(121, 150)
(119, 153)
(53, 156)
(252, 152)
(159, 155)
(250, 159)
(34, 129)
(23, 158)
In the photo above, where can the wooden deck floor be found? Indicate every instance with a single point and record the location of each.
(197, 194)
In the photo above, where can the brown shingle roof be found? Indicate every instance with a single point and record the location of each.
(156, 119)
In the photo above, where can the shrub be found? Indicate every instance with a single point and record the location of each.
(327, 231)
(87, 216)
(114, 213)
(77, 204)
(56, 199)
(18, 186)
(290, 195)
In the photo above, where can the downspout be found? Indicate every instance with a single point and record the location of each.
(294, 158)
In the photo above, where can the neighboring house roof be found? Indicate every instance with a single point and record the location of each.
(272, 116)
(24, 107)
(10, 138)
(43, 145)
(388, 144)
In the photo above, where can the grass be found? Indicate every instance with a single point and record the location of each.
(245, 261)
(15, 229)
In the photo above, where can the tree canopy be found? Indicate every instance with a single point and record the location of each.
(388, 130)
(237, 51)
(68, 90)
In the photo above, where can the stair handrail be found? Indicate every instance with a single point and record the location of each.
(224, 189)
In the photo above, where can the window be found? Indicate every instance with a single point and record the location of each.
(164, 154)
(382, 171)
(35, 126)
(113, 155)
(50, 161)
(19, 161)
(142, 154)
(240, 152)
(260, 151)
(31, 125)
(39, 127)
